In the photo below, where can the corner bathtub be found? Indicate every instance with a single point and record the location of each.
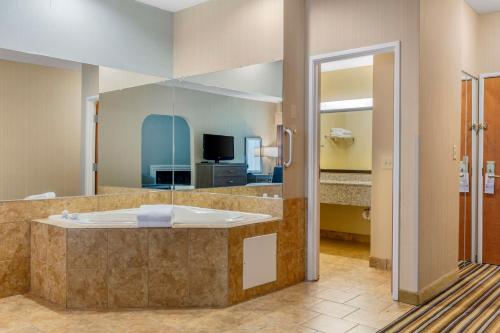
(184, 217)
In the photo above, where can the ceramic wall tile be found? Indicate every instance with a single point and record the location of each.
(208, 286)
(39, 241)
(14, 240)
(158, 197)
(128, 287)
(208, 248)
(45, 208)
(14, 276)
(190, 198)
(14, 211)
(168, 248)
(127, 248)
(87, 289)
(87, 249)
(168, 287)
(120, 201)
(56, 265)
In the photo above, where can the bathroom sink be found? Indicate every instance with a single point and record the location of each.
(345, 189)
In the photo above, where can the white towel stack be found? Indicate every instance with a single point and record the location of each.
(340, 133)
(155, 216)
(48, 195)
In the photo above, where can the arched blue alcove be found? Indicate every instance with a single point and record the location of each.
(159, 135)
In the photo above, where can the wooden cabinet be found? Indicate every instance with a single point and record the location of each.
(220, 175)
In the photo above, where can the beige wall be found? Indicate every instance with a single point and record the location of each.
(439, 117)
(224, 34)
(381, 199)
(347, 155)
(346, 219)
(349, 83)
(294, 97)
(123, 112)
(39, 130)
(489, 45)
(470, 39)
(336, 25)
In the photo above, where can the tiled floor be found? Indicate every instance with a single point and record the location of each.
(350, 296)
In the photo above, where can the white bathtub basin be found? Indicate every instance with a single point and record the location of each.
(184, 217)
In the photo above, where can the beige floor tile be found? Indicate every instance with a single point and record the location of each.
(362, 329)
(338, 296)
(10, 322)
(373, 319)
(327, 324)
(333, 309)
(370, 303)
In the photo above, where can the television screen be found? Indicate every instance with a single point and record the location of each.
(218, 147)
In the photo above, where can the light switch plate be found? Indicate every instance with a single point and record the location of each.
(387, 164)
(455, 152)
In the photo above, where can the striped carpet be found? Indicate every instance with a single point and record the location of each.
(470, 305)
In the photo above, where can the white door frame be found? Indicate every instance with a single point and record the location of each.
(475, 173)
(89, 145)
(313, 225)
(480, 179)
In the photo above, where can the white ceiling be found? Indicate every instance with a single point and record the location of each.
(172, 5)
(484, 6)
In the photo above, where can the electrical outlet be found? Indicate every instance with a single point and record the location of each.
(387, 164)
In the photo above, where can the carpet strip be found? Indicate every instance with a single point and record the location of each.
(472, 304)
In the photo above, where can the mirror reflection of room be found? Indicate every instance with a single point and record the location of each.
(216, 132)
(356, 158)
(39, 125)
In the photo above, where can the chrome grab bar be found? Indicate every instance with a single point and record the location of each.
(290, 132)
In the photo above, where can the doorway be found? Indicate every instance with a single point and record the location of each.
(314, 143)
(489, 158)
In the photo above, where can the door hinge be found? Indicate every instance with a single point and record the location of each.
(479, 126)
(96, 118)
(94, 167)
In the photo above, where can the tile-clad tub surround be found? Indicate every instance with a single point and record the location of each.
(157, 268)
(15, 218)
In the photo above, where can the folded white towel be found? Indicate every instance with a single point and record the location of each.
(48, 195)
(155, 216)
(340, 132)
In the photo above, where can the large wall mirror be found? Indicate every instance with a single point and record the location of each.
(218, 132)
(58, 135)
(69, 129)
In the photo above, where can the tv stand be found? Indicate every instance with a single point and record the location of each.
(220, 175)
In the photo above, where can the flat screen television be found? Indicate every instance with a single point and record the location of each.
(218, 147)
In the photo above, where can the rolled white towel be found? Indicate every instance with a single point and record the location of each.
(47, 195)
(155, 216)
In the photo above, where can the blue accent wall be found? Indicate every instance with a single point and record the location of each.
(157, 143)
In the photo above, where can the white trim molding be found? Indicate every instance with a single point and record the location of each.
(89, 145)
(313, 225)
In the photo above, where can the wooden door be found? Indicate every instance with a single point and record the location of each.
(465, 215)
(491, 202)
